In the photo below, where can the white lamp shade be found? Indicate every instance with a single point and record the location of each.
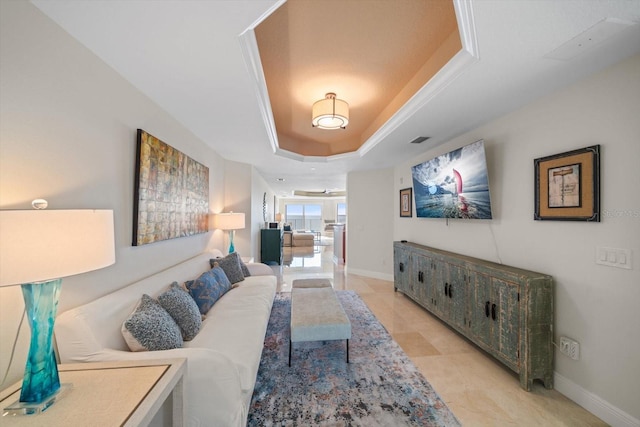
(330, 113)
(39, 245)
(228, 221)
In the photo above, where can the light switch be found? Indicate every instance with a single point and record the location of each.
(603, 254)
(622, 258)
(614, 257)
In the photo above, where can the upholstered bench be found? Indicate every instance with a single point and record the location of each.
(316, 314)
(301, 238)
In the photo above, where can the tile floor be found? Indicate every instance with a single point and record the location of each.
(479, 390)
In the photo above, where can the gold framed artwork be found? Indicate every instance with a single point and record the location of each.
(406, 207)
(567, 186)
(171, 197)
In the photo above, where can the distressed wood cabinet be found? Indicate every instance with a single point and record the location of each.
(506, 311)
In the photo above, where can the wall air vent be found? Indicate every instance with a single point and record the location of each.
(420, 139)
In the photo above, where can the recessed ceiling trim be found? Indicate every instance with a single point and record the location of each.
(316, 159)
(455, 67)
(447, 74)
(251, 57)
(467, 26)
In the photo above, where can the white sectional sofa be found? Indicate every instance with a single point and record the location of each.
(222, 359)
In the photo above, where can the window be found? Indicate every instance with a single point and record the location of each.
(304, 217)
(341, 217)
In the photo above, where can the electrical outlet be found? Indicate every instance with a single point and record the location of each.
(570, 348)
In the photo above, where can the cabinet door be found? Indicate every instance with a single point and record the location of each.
(425, 275)
(507, 323)
(453, 294)
(271, 245)
(401, 268)
(495, 318)
(481, 308)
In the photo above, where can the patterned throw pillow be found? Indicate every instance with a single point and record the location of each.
(206, 290)
(221, 276)
(151, 328)
(232, 266)
(183, 309)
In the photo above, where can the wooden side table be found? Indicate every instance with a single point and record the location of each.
(109, 394)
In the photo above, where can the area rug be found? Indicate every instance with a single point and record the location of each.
(379, 387)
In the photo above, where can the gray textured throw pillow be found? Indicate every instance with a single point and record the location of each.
(151, 328)
(231, 266)
(243, 267)
(183, 309)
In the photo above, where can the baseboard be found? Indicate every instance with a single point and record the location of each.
(368, 273)
(594, 404)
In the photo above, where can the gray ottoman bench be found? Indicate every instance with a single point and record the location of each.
(316, 314)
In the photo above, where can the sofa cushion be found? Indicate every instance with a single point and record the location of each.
(206, 290)
(232, 266)
(183, 309)
(151, 328)
(237, 324)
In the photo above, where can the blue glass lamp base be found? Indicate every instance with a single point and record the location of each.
(41, 383)
(231, 247)
(27, 408)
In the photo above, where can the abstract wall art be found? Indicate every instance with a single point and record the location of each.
(171, 197)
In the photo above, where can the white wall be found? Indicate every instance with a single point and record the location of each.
(370, 201)
(68, 134)
(260, 191)
(237, 196)
(595, 305)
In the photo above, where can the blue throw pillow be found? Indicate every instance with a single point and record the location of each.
(221, 276)
(206, 290)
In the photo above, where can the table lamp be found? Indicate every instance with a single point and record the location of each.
(230, 221)
(37, 249)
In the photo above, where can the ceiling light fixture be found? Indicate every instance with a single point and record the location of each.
(330, 113)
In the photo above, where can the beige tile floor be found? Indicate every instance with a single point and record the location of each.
(479, 390)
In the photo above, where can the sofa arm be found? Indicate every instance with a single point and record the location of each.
(259, 269)
(213, 393)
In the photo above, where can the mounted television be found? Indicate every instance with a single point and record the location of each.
(453, 185)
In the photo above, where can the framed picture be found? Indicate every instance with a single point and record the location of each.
(171, 193)
(567, 186)
(406, 209)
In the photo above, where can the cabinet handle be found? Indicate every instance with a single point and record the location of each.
(450, 291)
(486, 308)
(446, 289)
(493, 311)
(402, 267)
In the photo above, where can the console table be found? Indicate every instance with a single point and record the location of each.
(108, 394)
(506, 311)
